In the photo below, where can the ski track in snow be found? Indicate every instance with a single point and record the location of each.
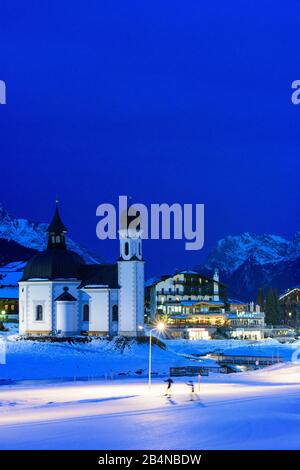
(251, 410)
(257, 410)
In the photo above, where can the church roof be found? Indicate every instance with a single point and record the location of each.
(99, 275)
(58, 263)
(65, 296)
(53, 264)
(56, 225)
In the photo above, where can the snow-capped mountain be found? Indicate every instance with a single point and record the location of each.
(232, 251)
(248, 260)
(21, 238)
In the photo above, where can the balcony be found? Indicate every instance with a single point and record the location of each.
(185, 322)
(194, 325)
(180, 295)
(189, 325)
(245, 327)
(187, 283)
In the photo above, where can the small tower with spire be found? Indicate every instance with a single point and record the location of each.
(216, 285)
(56, 231)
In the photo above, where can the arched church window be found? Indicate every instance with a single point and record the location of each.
(39, 313)
(115, 313)
(126, 249)
(86, 312)
(58, 239)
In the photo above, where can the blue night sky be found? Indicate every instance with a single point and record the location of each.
(168, 101)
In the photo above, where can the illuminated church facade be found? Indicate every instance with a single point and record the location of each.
(60, 294)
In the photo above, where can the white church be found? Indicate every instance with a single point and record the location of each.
(60, 294)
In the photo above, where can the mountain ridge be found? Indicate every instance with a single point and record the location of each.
(249, 260)
(18, 232)
(245, 261)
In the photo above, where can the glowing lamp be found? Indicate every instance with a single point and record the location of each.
(160, 326)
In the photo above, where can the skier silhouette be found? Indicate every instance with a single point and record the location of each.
(169, 381)
(192, 389)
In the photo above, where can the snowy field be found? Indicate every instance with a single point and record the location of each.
(95, 396)
(253, 410)
(103, 359)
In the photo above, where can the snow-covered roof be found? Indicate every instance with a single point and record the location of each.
(289, 291)
(188, 303)
(154, 281)
(211, 302)
(187, 272)
(236, 302)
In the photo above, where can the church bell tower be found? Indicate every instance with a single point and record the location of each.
(131, 277)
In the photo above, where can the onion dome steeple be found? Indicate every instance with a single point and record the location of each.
(56, 231)
(56, 262)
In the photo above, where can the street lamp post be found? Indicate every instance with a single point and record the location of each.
(150, 359)
(159, 327)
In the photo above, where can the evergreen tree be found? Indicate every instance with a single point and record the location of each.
(277, 312)
(272, 307)
(260, 300)
(269, 306)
